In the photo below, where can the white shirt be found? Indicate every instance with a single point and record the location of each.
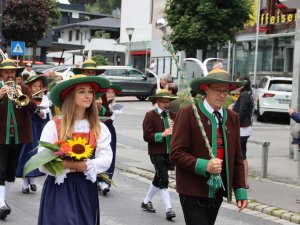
(103, 152)
(211, 110)
(45, 104)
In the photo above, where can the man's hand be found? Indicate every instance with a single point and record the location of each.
(3, 91)
(214, 166)
(242, 204)
(167, 132)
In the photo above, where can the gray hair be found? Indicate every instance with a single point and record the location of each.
(166, 76)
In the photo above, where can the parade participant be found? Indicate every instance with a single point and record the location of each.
(174, 105)
(196, 163)
(72, 198)
(39, 118)
(157, 129)
(110, 110)
(15, 127)
(19, 80)
(244, 106)
(89, 68)
(28, 70)
(165, 79)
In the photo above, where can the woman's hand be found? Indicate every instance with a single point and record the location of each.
(79, 166)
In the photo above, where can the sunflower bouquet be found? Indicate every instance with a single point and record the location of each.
(51, 158)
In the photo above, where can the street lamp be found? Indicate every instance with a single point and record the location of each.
(129, 31)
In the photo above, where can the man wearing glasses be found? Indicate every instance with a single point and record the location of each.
(198, 165)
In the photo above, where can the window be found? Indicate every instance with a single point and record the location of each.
(280, 85)
(262, 83)
(77, 35)
(70, 35)
(135, 73)
(116, 72)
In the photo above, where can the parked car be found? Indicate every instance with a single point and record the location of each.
(273, 95)
(133, 81)
(46, 70)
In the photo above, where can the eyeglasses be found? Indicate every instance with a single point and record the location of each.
(219, 92)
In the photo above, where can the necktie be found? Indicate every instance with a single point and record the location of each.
(219, 117)
(164, 114)
(166, 125)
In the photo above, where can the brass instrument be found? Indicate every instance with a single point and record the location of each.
(16, 94)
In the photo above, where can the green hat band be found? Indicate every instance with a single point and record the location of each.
(89, 65)
(5, 64)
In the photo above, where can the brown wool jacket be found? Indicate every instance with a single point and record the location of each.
(190, 155)
(153, 126)
(21, 119)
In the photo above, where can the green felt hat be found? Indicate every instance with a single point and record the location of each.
(216, 76)
(162, 93)
(87, 65)
(33, 78)
(117, 88)
(61, 89)
(8, 64)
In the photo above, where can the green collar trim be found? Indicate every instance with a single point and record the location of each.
(214, 142)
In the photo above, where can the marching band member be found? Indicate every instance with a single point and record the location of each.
(15, 127)
(157, 128)
(110, 110)
(39, 118)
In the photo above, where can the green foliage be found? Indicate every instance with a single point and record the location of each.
(25, 20)
(197, 24)
(54, 13)
(103, 6)
(100, 60)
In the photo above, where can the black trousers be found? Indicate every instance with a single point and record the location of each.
(200, 211)
(161, 165)
(9, 157)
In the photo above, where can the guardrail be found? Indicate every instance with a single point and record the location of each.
(264, 157)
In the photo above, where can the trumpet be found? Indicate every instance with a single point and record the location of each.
(16, 94)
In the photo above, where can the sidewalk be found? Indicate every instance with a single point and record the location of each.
(267, 196)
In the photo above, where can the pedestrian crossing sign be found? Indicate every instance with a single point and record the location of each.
(17, 48)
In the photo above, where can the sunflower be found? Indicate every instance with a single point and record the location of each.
(80, 149)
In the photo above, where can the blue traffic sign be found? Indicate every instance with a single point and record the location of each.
(17, 48)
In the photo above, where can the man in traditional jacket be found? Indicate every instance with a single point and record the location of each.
(157, 128)
(15, 128)
(205, 175)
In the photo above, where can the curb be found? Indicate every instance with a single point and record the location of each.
(253, 205)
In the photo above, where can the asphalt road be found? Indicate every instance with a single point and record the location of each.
(122, 206)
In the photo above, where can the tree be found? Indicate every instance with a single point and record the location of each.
(26, 20)
(54, 13)
(197, 24)
(100, 60)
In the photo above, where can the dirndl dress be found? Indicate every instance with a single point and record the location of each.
(30, 149)
(74, 202)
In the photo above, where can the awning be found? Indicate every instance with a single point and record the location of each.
(58, 47)
(140, 53)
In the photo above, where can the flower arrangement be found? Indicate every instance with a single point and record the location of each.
(52, 157)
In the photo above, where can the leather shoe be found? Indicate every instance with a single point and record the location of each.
(148, 207)
(4, 211)
(33, 187)
(170, 214)
(104, 191)
(25, 190)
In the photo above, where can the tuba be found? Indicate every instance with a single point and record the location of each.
(16, 94)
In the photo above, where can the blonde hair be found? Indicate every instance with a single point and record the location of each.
(68, 116)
